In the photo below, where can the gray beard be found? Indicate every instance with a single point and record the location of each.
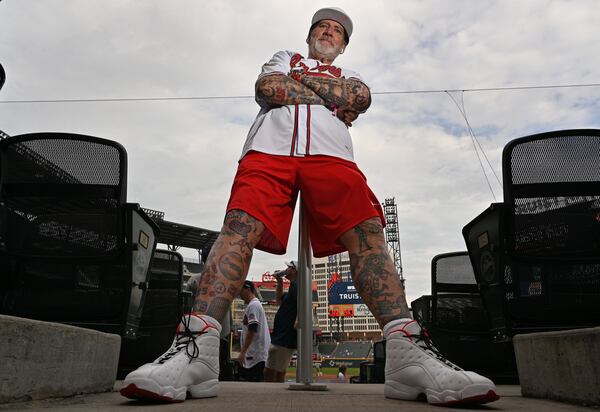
(329, 51)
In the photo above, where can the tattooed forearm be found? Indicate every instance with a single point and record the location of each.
(347, 94)
(281, 90)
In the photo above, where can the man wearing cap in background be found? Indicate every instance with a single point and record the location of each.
(300, 141)
(284, 338)
(255, 336)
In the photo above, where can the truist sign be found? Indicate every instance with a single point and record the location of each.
(341, 293)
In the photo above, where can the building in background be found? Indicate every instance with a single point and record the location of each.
(341, 314)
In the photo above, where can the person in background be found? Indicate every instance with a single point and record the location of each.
(341, 377)
(284, 338)
(255, 336)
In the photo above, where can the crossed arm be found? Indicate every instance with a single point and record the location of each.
(347, 97)
(281, 90)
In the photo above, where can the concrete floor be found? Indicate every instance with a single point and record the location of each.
(271, 397)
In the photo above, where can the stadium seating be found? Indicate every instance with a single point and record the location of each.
(536, 256)
(163, 307)
(71, 249)
(459, 327)
(327, 349)
(373, 372)
(351, 349)
(421, 310)
(455, 301)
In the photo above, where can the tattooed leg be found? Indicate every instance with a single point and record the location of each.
(373, 272)
(227, 264)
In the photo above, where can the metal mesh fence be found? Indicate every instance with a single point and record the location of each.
(573, 158)
(454, 269)
(63, 161)
(549, 219)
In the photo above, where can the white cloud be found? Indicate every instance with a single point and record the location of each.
(414, 147)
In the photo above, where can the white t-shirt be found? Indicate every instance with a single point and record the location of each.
(259, 348)
(300, 129)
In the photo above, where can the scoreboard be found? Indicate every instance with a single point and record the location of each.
(347, 311)
(345, 302)
(341, 311)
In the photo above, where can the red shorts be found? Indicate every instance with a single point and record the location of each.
(334, 192)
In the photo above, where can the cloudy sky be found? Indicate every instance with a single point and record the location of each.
(412, 146)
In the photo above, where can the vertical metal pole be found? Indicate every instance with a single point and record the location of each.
(305, 329)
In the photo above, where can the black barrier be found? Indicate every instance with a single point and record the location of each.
(71, 250)
(459, 326)
(537, 255)
(161, 313)
(421, 310)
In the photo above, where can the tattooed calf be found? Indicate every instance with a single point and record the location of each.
(239, 227)
(363, 244)
(218, 308)
(231, 266)
(219, 287)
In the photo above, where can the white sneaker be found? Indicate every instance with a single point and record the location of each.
(414, 369)
(190, 368)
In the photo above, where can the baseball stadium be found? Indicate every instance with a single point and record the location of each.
(95, 315)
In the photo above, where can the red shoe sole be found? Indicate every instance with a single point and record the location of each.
(133, 392)
(491, 396)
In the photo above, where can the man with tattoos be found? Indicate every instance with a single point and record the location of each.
(300, 142)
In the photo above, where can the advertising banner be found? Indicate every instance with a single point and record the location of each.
(337, 362)
(361, 310)
(343, 293)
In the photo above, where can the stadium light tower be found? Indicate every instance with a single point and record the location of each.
(392, 234)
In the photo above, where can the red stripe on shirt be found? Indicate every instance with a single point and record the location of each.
(307, 129)
(295, 133)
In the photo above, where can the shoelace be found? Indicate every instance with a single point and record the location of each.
(423, 340)
(183, 340)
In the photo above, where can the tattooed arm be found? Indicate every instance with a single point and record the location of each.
(281, 90)
(347, 94)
